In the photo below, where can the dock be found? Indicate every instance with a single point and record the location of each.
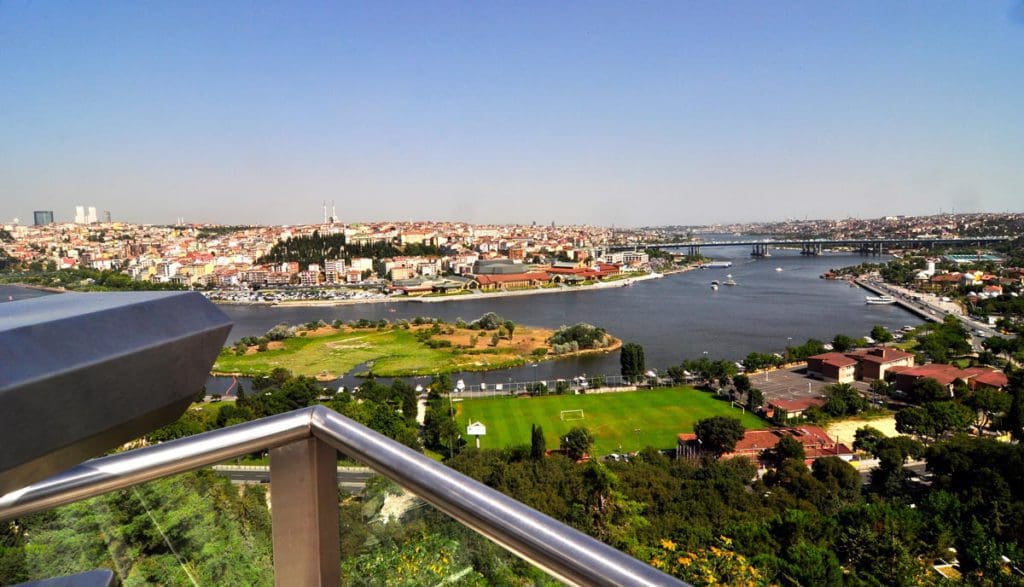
(903, 303)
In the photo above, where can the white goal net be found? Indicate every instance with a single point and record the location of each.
(567, 415)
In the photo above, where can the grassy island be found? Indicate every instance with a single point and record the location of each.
(423, 346)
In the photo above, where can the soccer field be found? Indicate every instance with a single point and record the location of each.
(619, 422)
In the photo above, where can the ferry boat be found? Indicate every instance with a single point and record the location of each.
(717, 265)
(879, 300)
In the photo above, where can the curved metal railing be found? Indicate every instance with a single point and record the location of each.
(304, 500)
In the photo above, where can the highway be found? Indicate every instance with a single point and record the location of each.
(352, 479)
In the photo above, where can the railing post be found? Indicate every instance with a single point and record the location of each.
(304, 511)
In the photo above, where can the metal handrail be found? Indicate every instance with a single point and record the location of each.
(545, 542)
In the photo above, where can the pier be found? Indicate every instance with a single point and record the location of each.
(900, 300)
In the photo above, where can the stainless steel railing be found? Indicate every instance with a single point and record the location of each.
(304, 505)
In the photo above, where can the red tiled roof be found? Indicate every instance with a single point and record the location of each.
(986, 376)
(796, 405)
(880, 355)
(944, 374)
(511, 277)
(834, 359)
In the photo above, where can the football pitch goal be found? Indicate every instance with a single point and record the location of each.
(570, 415)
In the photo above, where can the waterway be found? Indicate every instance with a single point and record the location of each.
(674, 318)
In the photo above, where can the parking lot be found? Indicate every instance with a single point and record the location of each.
(791, 384)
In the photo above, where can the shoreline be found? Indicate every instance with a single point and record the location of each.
(624, 282)
(899, 301)
(38, 287)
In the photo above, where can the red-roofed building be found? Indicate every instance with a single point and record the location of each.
(875, 361)
(835, 366)
(947, 375)
(815, 441)
(511, 280)
(782, 410)
(866, 364)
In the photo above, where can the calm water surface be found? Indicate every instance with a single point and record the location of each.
(674, 318)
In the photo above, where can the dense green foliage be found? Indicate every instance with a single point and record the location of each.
(85, 280)
(316, 248)
(152, 534)
(719, 434)
(581, 336)
(841, 399)
(631, 359)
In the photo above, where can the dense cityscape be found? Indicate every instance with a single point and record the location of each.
(514, 294)
(887, 417)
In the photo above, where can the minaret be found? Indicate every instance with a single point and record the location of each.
(325, 211)
(334, 213)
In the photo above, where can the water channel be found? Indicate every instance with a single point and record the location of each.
(777, 301)
(676, 317)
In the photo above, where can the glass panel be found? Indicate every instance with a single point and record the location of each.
(193, 529)
(389, 536)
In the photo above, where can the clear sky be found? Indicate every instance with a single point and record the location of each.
(623, 113)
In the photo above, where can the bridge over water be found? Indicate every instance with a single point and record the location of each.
(878, 246)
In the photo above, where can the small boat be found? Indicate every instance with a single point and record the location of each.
(778, 268)
(873, 300)
(714, 285)
(729, 282)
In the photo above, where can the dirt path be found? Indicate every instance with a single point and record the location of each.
(844, 431)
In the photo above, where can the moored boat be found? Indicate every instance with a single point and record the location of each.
(879, 300)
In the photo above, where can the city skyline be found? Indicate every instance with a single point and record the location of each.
(609, 116)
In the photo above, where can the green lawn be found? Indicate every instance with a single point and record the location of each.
(394, 353)
(612, 418)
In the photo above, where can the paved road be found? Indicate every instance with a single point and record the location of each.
(350, 478)
(978, 331)
(915, 467)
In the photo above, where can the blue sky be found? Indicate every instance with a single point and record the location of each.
(624, 113)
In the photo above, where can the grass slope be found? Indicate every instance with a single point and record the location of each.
(393, 352)
(612, 418)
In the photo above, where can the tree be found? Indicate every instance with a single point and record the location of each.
(867, 438)
(576, 443)
(934, 419)
(880, 334)
(631, 359)
(842, 399)
(787, 448)
(538, 446)
(838, 475)
(755, 399)
(742, 383)
(928, 389)
(1015, 416)
(510, 327)
(842, 343)
(719, 434)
